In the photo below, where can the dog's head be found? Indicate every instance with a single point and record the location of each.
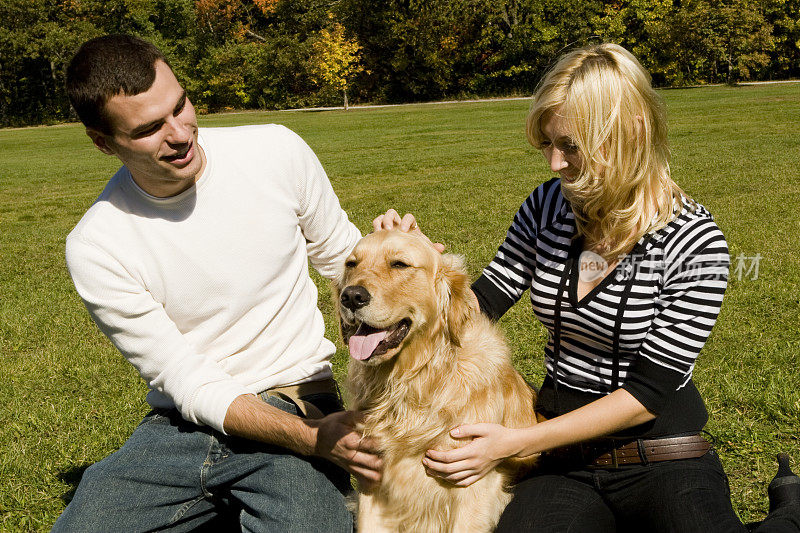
(395, 289)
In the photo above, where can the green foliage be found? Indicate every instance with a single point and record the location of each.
(522, 38)
(37, 39)
(411, 50)
(246, 75)
(268, 54)
(717, 40)
(784, 16)
(272, 53)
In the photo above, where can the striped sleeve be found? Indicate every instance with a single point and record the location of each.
(506, 278)
(694, 282)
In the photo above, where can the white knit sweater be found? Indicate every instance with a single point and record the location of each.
(208, 293)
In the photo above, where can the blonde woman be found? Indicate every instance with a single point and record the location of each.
(627, 273)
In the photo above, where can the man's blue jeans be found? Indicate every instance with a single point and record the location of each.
(175, 475)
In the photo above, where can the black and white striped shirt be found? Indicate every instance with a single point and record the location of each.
(662, 299)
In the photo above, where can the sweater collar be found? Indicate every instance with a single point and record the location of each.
(191, 192)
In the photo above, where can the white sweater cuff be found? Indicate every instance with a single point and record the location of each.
(211, 402)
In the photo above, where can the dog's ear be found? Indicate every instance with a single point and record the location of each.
(457, 304)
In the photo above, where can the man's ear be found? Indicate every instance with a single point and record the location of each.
(100, 141)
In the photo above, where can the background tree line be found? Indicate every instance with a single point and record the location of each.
(290, 53)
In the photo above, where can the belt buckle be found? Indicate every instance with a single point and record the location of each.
(614, 459)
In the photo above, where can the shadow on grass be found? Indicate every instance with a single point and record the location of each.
(72, 476)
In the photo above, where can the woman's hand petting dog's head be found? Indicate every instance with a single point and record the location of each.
(391, 220)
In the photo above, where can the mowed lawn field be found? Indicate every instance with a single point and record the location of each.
(68, 399)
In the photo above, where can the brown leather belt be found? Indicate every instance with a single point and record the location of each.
(610, 453)
(295, 393)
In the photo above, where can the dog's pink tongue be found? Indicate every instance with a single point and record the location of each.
(362, 345)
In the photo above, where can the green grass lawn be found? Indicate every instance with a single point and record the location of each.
(69, 399)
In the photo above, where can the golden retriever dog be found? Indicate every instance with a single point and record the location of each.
(423, 361)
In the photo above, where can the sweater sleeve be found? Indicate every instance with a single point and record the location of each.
(141, 330)
(330, 236)
(492, 301)
(505, 279)
(695, 279)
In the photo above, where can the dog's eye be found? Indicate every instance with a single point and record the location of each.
(399, 264)
(350, 264)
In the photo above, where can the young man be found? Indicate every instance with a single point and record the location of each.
(194, 262)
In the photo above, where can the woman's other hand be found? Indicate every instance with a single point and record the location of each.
(491, 444)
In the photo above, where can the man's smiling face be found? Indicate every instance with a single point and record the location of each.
(154, 134)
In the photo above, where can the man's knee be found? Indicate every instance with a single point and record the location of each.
(144, 483)
(87, 510)
(296, 494)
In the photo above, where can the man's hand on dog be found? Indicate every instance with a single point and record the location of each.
(339, 442)
(391, 219)
(491, 444)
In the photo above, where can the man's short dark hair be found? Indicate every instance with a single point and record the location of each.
(104, 67)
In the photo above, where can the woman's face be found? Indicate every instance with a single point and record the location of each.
(559, 148)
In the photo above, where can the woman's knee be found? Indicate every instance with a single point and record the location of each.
(552, 503)
(683, 495)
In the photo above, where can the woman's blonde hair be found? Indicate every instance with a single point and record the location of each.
(616, 120)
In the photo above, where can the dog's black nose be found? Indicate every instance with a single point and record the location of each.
(355, 297)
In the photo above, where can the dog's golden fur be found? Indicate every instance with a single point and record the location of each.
(451, 368)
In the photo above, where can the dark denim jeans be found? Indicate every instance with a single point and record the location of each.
(684, 496)
(177, 476)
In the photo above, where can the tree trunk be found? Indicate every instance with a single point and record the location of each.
(254, 35)
(344, 91)
(731, 78)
